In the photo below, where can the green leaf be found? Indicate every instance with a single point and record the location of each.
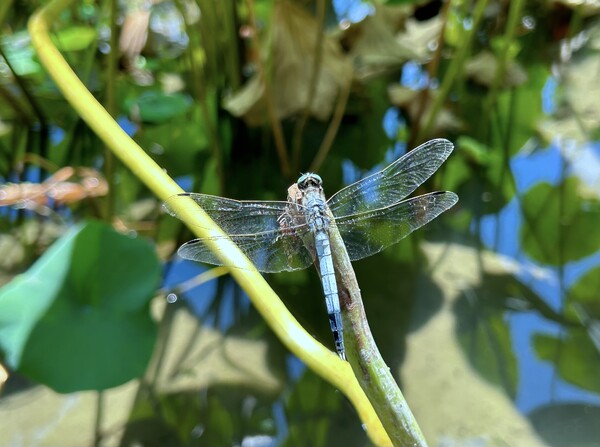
(158, 107)
(586, 292)
(21, 55)
(555, 219)
(179, 146)
(574, 356)
(455, 32)
(314, 407)
(474, 150)
(520, 108)
(573, 424)
(78, 319)
(74, 38)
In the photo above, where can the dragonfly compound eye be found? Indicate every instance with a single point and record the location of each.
(309, 179)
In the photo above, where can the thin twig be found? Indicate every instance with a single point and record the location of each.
(33, 103)
(453, 71)
(98, 418)
(196, 281)
(110, 104)
(334, 125)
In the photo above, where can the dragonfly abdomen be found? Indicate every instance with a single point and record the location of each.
(330, 290)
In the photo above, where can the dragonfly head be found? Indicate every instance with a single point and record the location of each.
(309, 179)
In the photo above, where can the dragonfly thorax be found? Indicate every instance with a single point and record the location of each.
(315, 208)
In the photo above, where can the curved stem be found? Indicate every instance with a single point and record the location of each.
(334, 125)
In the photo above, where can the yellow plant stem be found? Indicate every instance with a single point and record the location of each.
(268, 304)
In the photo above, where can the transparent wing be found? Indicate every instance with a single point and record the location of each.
(272, 251)
(368, 233)
(236, 216)
(271, 234)
(392, 184)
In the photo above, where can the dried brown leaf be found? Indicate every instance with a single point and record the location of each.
(294, 42)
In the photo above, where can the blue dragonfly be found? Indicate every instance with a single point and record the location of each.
(370, 215)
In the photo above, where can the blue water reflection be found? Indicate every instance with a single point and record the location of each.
(548, 95)
(539, 382)
(531, 167)
(202, 299)
(393, 122)
(413, 76)
(353, 11)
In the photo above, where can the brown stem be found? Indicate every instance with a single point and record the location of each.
(373, 374)
(334, 125)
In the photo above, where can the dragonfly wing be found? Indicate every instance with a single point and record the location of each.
(235, 216)
(392, 184)
(271, 251)
(368, 233)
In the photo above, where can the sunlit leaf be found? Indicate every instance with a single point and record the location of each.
(373, 43)
(418, 103)
(499, 43)
(74, 38)
(455, 31)
(78, 318)
(555, 219)
(574, 356)
(419, 36)
(586, 292)
(474, 150)
(19, 52)
(483, 67)
(576, 91)
(584, 7)
(521, 109)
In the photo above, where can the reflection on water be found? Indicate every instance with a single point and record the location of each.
(544, 379)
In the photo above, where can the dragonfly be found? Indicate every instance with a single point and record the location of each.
(370, 215)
